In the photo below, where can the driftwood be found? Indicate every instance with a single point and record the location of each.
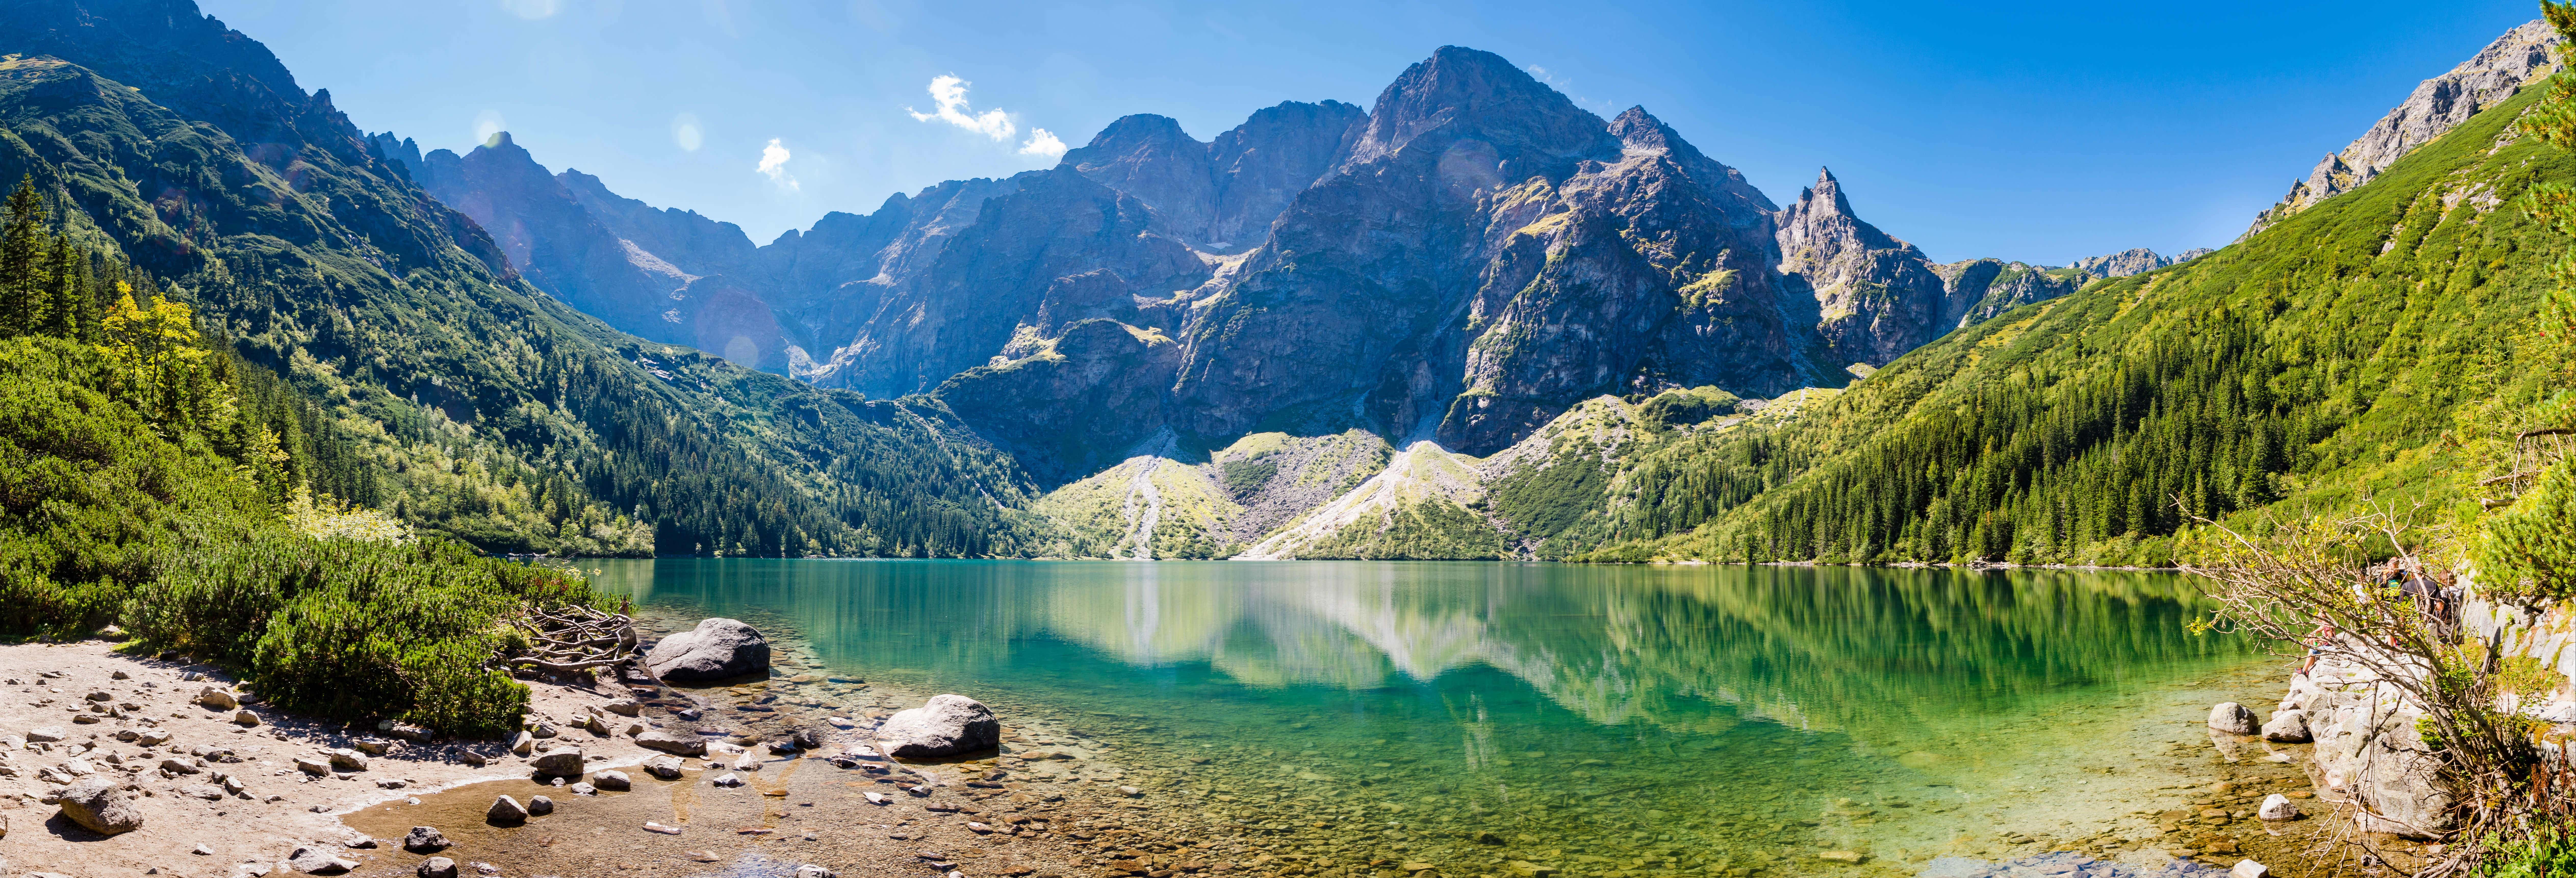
(571, 640)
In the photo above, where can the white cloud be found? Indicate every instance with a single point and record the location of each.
(1043, 142)
(949, 95)
(686, 132)
(773, 162)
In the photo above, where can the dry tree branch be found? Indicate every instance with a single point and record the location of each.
(574, 640)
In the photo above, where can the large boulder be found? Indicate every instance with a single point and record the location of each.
(506, 810)
(98, 806)
(675, 744)
(946, 726)
(2233, 718)
(565, 762)
(717, 649)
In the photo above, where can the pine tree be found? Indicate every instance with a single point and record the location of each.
(22, 261)
(67, 294)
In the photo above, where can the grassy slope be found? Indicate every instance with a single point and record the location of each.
(2388, 343)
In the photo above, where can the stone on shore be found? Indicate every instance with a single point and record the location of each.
(946, 726)
(346, 759)
(2233, 718)
(506, 810)
(424, 840)
(45, 734)
(523, 744)
(716, 649)
(727, 779)
(612, 780)
(565, 762)
(680, 745)
(217, 698)
(99, 806)
(2249, 869)
(664, 767)
(539, 806)
(315, 859)
(436, 867)
(2287, 727)
(2278, 807)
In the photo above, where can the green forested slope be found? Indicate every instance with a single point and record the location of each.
(478, 407)
(2376, 346)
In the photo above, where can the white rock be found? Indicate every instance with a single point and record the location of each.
(2287, 727)
(612, 780)
(728, 779)
(2232, 718)
(216, 697)
(877, 798)
(2278, 807)
(2248, 869)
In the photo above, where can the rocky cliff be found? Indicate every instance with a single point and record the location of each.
(1878, 297)
(2438, 105)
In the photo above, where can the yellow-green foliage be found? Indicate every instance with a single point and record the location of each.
(2529, 548)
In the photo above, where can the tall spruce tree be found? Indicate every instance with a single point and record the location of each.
(67, 291)
(23, 261)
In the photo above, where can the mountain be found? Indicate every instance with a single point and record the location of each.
(485, 409)
(1466, 261)
(2441, 103)
(2377, 346)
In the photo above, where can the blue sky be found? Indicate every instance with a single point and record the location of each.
(2033, 131)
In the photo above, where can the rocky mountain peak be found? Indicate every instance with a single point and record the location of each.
(1878, 296)
(2497, 72)
(1461, 95)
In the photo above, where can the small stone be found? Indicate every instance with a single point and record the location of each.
(584, 789)
(472, 758)
(203, 851)
(345, 759)
(728, 779)
(543, 730)
(523, 744)
(312, 766)
(2278, 807)
(371, 746)
(944, 726)
(425, 840)
(179, 766)
(100, 696)
(539, 806)
(317, 860)
(624, 707)
(412, 733)
(2248, 869)
(120, 675)
(1849, 857)
(218, 698)
(436, 867)
(1130, 792)
(650, 826)
(46, 734)
(612, 780)
(245, 719)
(664, 767)
(2232, 718)
(810, 870)
(877, 798)
(100, 807)
(506, 810)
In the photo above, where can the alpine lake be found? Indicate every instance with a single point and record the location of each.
(1521, 719)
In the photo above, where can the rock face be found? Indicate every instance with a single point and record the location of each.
(945, 726)
(2437, 105)
(1992, 287)
(717, 649)
(2367, 751)
(1877, 296)
(2232, 718)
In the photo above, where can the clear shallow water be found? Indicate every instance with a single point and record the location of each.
(1597, 720)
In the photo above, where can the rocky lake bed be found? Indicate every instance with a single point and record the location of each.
(785, 772)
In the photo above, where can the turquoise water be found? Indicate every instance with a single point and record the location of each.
(1723, 719)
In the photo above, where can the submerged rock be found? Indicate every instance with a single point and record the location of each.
(716, 649)
(2233, 718)
(946, 726)
(681, 745)
(436, 867)
(2278, 807)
